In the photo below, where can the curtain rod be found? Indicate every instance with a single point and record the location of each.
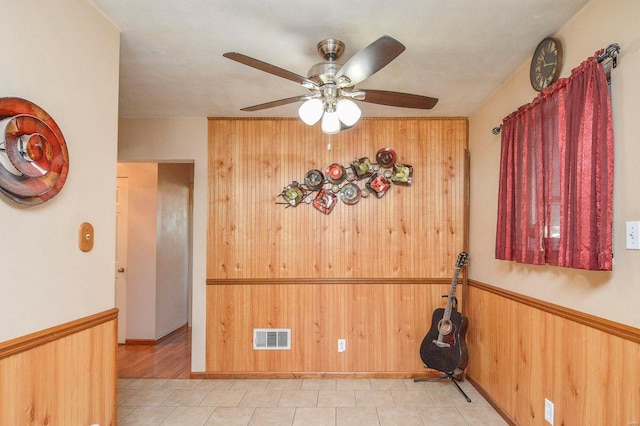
(610, 54)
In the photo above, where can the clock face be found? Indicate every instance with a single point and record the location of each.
(546, 63)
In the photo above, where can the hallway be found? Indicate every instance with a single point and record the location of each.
(168, 359)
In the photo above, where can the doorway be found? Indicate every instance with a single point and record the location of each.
(122, 216)
(157, 272)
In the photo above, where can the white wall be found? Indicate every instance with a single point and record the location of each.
(181, 140)
(173, 239)
(612, 295)
(64, 57)
(141, 249)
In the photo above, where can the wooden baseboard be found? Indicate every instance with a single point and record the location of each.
(151, 342)
(140, 342)
(492, 401)
(314, 375)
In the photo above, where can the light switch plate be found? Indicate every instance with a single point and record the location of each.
(85, 237)
(633, 235)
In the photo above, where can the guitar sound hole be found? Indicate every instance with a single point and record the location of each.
(445, 326)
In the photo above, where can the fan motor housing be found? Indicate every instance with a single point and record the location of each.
(323, 72)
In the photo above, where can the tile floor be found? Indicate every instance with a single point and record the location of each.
(307, 402)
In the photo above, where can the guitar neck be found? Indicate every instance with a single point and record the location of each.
(452, 294)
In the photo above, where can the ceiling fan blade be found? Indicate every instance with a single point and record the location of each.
(271, 69)
(398, 99)
(279, 102)
(369, 60)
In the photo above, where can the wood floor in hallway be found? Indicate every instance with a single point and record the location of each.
(170, 358)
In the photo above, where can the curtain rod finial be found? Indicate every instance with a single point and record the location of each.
(496, 130)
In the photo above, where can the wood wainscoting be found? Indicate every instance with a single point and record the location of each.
(64, 375)
(371, 273)
(383, 322)
(522, 350)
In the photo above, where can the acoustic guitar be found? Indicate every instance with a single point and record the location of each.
(444, 348)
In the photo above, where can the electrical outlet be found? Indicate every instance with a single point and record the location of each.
(548, 411)
(342, 345)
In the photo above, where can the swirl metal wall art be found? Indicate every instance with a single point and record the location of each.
(34, 161)
(323, 188)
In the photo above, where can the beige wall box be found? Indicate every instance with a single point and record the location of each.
(85, 236)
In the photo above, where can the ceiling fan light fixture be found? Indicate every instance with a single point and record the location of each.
(330, 122)
(311, 111)
(332, 84)
(348, 112)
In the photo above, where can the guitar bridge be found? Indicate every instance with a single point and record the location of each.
(441, 344)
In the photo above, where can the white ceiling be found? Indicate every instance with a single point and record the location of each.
(459, 51)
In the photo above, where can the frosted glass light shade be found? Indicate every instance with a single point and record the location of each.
(348, 112)
(311, 111)
(330, 122)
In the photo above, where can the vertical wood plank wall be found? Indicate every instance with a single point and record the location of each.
(383, 323)
(65, 375)
(371, 273)
(522, 351)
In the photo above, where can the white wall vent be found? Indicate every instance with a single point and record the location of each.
(271, 338)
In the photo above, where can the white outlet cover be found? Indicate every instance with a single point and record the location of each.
(548, 411)
(633, 235)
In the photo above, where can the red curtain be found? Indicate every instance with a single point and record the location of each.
(555, 200)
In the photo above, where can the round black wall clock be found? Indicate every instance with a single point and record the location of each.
(546, 63)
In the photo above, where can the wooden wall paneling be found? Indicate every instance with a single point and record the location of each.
(249, 236)
(383, 323)
(371, 273)
(64, 375)
(331, 325)
(522, 351)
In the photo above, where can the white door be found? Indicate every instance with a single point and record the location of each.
(122, 197)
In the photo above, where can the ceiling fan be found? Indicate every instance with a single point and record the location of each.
(332, 84)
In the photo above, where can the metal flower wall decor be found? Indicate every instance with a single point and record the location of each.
(34, 161)
(359, 179)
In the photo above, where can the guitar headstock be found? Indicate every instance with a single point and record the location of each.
(463, 259)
